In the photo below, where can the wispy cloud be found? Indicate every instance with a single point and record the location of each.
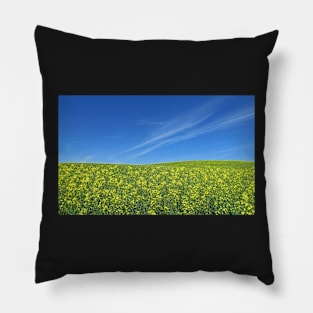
(203, 120)
(227, 152)
(70, 145)
(87, 158)
(178, 124)
(153, 123)
(156, 146)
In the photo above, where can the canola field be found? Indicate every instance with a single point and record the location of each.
(178, 188)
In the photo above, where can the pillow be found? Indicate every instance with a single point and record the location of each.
(154, 155)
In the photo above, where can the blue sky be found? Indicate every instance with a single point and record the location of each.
(154, 129)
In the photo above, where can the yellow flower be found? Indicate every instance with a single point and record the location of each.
(200, 187)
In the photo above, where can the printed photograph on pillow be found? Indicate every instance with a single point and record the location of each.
(156, 155)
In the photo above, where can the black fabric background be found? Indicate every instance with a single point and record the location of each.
(75, 65)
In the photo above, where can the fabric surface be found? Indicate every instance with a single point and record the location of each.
(154, 155)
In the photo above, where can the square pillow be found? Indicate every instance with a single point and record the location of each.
(154, 155)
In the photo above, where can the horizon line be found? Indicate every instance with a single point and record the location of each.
(184, 161)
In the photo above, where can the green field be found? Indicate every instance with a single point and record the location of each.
(178, 188)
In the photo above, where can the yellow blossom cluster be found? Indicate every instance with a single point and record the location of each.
(180, 188)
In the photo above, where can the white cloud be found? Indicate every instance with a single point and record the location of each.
(87, 158)
(195, 123)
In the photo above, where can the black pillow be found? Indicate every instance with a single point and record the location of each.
(154, 155)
